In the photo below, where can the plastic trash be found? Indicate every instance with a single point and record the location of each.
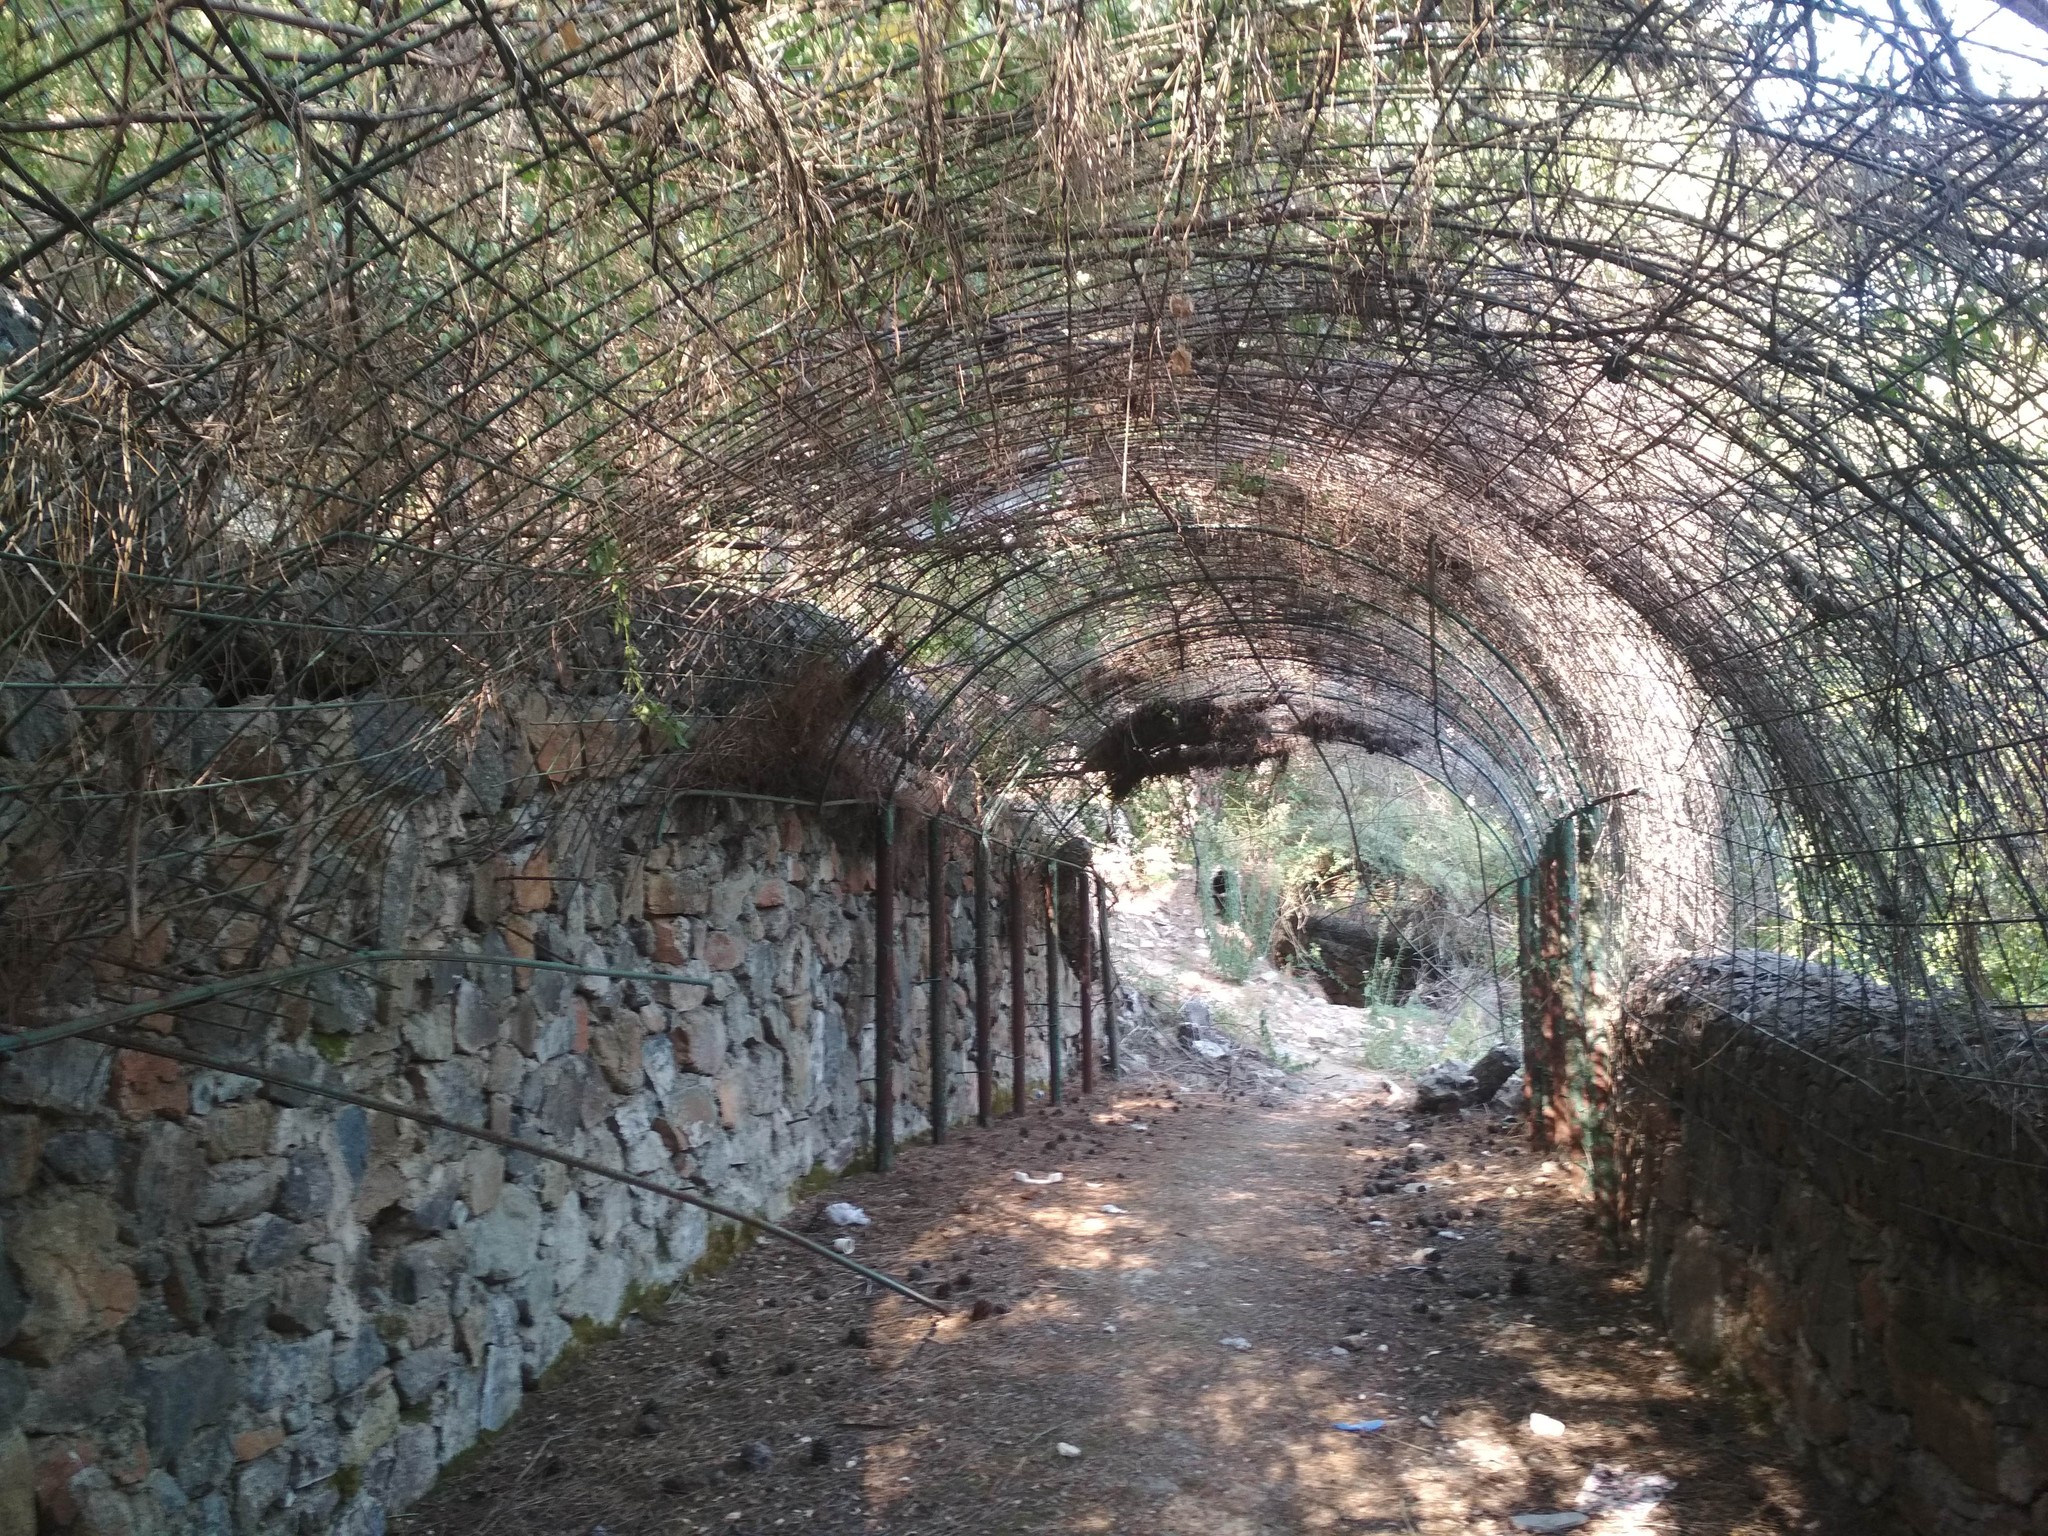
(1610, 1490)
(1038, 1178)
(842, 1214)
(1544, 1427)
(1069, 1451)
(843, 1244)
(1360, 1426)
(1114, 1210)
(1236, 1343)
(1562, 1520)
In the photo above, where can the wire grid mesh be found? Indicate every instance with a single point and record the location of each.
(1567, 401)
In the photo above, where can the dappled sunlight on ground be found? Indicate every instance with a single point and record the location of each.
(1264, 1277)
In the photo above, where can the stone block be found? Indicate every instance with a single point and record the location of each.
(352, 1141)
(17, 1486)
(259, 1487)
(241, 1129)
(72, 1395)
(284, 1372)
(21, 1151)
(483, 1179)
(236, 1190)
(306, 1191)
(316, 1455)
(344, 1003)
(68, 1075)
(146, 1086)
(1959, 1428)
(475, 1019)
(430, 1035)
(530, 885)
(66, 1251)
(722, 951)
(503, 1244)
(82, 1157)
(455, 1089)
(615, 1048)
(163, 1184)
(420, 1373)
(261, 1441)
(658, 1065)
(674, 895)
(501, 1386)
(732, 1101)
(696, 1112)
(540, 1034)
(183, 1393)
(13, 1394)
(413, 1466)
(557, 749)
(272, 1242)
(372, 1420)
(302, 1300)
(358, 1358)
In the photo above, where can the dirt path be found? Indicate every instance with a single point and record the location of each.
(1229, 1224)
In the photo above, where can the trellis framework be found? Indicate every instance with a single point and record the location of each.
(1567, 401)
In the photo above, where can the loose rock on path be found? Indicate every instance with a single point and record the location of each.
(1427, 1273)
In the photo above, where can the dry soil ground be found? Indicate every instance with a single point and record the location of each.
(1232, 1219)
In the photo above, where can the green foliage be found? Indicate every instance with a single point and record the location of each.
(1238, 896)
(607, 563)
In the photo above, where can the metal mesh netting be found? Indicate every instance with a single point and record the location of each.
(1570, 401)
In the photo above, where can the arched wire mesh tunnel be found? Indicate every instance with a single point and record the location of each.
(1625, 416)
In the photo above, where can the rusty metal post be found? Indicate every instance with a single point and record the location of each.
(1053, 1084)
(885, 988)
(984, 1007)
(939, 958)
(1087, 979)
(1020, 1045)
(1109, 1020)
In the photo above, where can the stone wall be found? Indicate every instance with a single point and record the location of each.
(1853, 1232)
(231, 1309)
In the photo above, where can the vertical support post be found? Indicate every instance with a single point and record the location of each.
(1087, 979)
(984, 1005)
(1569, 931)
(1594, 971)
(1053, 1084)
(885, 988)
(939, 958)
(1109, 1019)
(1020, 1045)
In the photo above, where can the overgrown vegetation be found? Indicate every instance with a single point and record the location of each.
(1278, 848)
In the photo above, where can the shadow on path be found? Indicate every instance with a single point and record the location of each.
(1230, 1221)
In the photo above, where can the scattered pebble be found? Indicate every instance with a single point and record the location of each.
(1068, 1451)
(1233, 1342)
(1544, 1427)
